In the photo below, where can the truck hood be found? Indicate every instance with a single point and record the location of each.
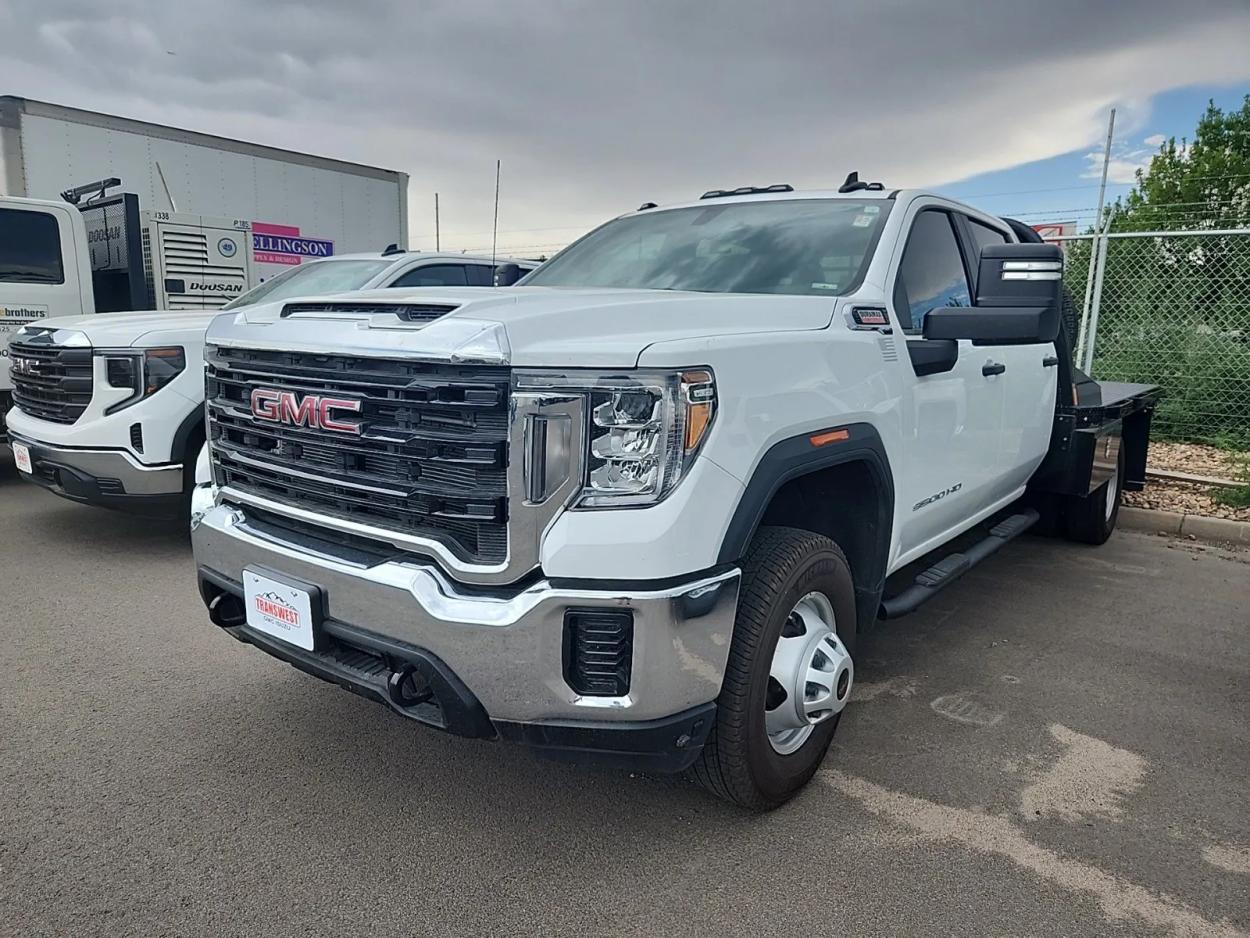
(122, 330)
(525, 326)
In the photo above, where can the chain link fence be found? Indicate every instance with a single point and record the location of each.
(1170, 308)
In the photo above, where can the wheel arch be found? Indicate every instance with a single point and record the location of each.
(843, 489)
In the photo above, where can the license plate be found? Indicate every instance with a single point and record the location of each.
(21, 456)
(279, 609)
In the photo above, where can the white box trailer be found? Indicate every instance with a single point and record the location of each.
(295, 204)
(200, 218)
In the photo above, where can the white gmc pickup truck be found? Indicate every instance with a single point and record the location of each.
(640, 506)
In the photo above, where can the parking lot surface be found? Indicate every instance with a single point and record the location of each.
(1057, 745)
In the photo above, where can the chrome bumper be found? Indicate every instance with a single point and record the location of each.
(506, 647)
(107, 464)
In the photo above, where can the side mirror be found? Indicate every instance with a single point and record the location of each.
(1018, 302)
(507, 274)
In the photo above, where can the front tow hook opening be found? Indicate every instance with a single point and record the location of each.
(226, 610)
(408, 687)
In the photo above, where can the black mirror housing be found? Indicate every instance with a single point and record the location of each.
(1018, 301)
(507, 274)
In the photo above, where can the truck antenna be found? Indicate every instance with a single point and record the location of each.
(173, 206)
(437, 243)
(494, 234)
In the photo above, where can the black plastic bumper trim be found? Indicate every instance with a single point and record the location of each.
(82, 487)
(670, 744)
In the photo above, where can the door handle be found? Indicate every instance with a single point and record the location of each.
(992, 368)
(1050, 361)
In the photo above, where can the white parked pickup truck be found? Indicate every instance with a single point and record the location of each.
(641, 505)
(110, 407)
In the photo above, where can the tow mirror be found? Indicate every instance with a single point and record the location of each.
(1019, 296)
(507, 274)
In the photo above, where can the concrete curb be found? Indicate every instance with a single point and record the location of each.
(1178, 525)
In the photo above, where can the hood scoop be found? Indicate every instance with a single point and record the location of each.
(377, 313)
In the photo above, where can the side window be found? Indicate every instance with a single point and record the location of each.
(434, 275)
(932, 273)
(983, 235)
(30, 247)
(480, 275)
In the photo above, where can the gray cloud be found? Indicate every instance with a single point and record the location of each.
(595, 106)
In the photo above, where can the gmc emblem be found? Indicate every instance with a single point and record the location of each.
(310, 411)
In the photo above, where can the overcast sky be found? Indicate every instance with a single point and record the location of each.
(594, 107)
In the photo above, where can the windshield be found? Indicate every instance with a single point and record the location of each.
(812, 247)
(312, 279)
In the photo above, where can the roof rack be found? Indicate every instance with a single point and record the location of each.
(853, 184)
(746, 190)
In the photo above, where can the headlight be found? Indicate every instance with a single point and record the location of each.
(644, 429)
(144, 373)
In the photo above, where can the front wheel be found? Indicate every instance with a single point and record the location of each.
(790, 670)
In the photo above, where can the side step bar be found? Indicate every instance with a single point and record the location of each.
(951, 567)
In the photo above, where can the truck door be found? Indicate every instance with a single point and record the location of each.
(40, 270)
(953, 410)
(1029, 380)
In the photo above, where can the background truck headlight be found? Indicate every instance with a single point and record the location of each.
(144, 372)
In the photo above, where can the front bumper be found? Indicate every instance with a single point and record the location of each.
(491, 658)
(109, 478)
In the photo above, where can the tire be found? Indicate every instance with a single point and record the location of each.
(1090, 520)
(194, 442)
(740, 762)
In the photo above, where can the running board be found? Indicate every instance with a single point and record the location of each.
(951, 567)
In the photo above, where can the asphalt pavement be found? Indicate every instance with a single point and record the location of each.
(1057, 745)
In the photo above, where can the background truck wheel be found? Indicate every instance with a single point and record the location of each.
(789, 673)
(195, 442)
(1091, 520)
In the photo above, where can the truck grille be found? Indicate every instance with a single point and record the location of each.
(430, 461)
(50, 382)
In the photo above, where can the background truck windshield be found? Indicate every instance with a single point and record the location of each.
(312, 279)
(814, 247)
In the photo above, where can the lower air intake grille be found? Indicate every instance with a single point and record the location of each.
(598, 651)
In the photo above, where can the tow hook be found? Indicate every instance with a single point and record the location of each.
(408, 687)
(226, 610)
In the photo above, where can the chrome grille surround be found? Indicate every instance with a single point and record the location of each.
(381, 460)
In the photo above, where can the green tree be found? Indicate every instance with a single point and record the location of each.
(1175, 310)
(1203, 184)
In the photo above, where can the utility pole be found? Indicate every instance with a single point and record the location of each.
(1094, 250)
(437, 244)
(494, 234)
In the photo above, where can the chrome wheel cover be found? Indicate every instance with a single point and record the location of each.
(810, 677)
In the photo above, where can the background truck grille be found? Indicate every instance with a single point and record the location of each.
(49, 382)
(431, 460)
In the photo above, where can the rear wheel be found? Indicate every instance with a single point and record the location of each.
(1091, 519)
(790, 670)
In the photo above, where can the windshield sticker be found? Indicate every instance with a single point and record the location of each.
(871, 209)
(824, 286)
(862, 221)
